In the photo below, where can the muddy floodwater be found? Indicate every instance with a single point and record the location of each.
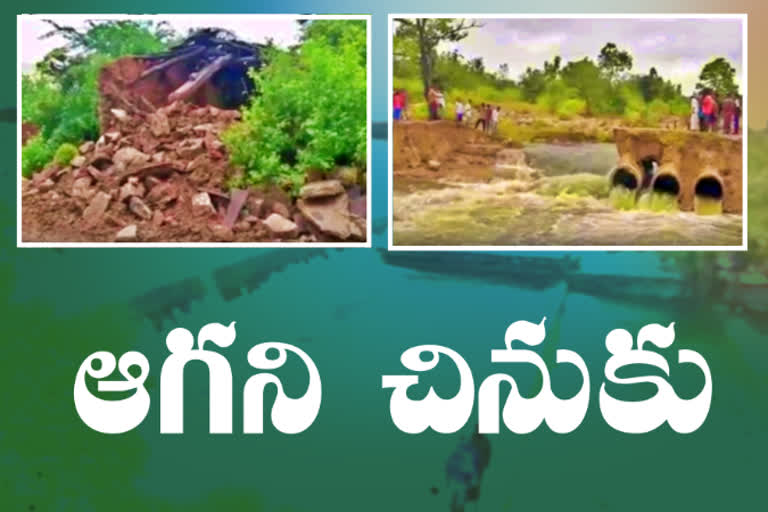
(563, 200)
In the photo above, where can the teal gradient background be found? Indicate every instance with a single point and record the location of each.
(354, 314)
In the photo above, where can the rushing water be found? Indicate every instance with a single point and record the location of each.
(516, 212)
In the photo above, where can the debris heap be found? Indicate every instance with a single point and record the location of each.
(210, 67)
(160, 176)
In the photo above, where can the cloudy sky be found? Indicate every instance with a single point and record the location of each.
(285, 31)
(678, 48)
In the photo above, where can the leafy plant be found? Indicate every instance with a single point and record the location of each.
(37, 152)
(310, 113)
(65, 154)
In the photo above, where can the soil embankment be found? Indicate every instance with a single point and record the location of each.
(441, 150)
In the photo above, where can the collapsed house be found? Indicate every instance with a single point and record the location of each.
(160, 172)
(210, 67)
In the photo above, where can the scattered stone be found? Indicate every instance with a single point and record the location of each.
(433, 165)
(330, 215)
(81, 187)
(190, 148)
(254, 205)
(112, 136)
(280, 226)
(127, 234)
(357, 228)
(161, 169)
(213, 144)
(202, 129)
(241, 226)
(158, 124)
(129, 157)
(163, 194)
(120, 114)
(96, 208)
(221, 232)
(199, 162)
(86, 147)
(152, 181)
(78, 161)
(302, 223)
(46, 185)
(132, 188)
(281, 209)
(94, 172)
(139, 208)
(324, 188)
(201, 204)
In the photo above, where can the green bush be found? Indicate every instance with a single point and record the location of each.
(35, 155)
(657, 110)
(310, 113)
(571, 108)
(65, 154)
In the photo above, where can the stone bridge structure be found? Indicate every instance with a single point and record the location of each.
(689, 165)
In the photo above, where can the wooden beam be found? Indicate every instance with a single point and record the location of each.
(190, 87)
(170, 62)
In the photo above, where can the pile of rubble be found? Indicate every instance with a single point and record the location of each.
(161, 177)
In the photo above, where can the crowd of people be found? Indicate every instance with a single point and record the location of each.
(487, 115)
(710, 115)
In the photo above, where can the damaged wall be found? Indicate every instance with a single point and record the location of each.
(208, 68)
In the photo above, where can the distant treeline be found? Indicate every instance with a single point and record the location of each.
(604, 86)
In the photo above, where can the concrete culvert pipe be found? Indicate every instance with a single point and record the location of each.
(666, 183)
(710, 187)
(625, 175)
(708, 195)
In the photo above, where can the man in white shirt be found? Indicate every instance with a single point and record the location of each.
(695, 126)
(459, 111)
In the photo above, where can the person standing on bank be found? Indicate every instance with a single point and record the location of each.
(694, 121)
(459, 111)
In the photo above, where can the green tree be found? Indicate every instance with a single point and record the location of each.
(552, 69)
(586, 77)
(532, 83)
(61, 96)
(718, 75)
(614, 61)
(428, 33)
